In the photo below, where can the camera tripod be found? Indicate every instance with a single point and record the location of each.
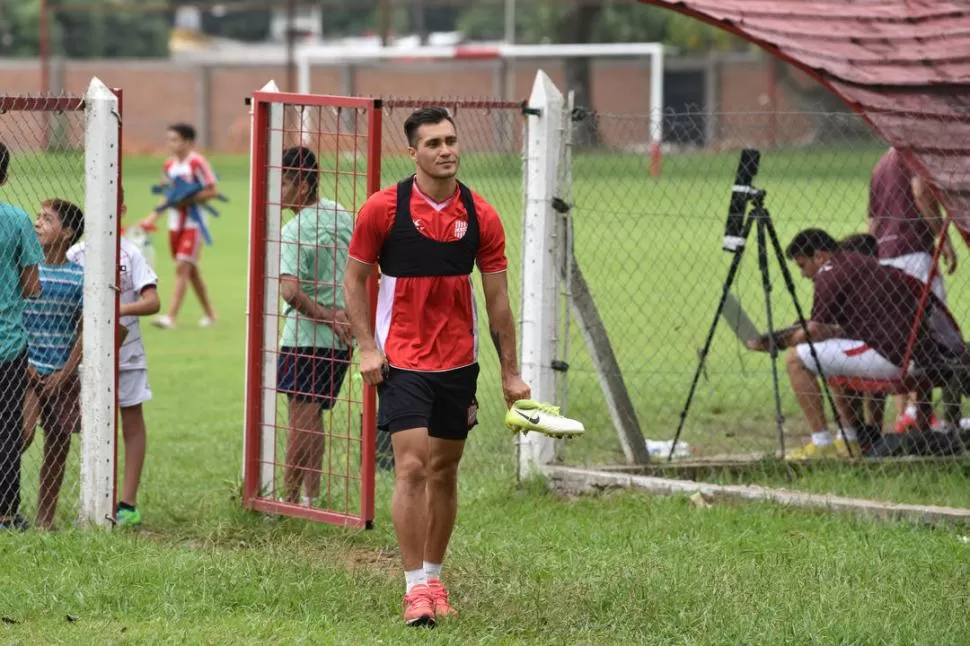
(759, 218)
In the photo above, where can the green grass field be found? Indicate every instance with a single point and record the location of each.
(525, 566)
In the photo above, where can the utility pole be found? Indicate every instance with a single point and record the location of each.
(43, 39)
(291, 46)
(420, 25)
(509, 22)
(384, 21)
(508, 68)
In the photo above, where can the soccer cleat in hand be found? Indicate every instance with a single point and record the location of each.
(527, 415)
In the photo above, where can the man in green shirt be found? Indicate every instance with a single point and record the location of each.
(316, 342)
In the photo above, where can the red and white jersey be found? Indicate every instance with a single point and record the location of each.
(195, 168)
(428, 323)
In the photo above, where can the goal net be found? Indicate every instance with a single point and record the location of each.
(59, 178)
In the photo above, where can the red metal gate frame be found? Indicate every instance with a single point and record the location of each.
(252, 500)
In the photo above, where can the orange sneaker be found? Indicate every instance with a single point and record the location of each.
(419, 606)
(439, 594)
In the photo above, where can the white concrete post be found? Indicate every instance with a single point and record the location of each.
(273, 140)
(540, 274)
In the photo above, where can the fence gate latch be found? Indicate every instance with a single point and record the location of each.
(560, 205)
(559, 366)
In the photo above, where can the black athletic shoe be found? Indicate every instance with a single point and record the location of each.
(16, 524)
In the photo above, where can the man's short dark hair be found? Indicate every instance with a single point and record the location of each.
(424, 116)
(864, 243)
(807, 242)
(4, 162)
(300, 166)
(71, 215)
(184, 130)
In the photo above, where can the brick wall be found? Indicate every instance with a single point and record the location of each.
(160, 92)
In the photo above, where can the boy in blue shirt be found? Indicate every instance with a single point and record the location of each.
(53, 324)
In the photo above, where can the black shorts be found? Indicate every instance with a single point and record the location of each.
(312, 374)
(442, 402)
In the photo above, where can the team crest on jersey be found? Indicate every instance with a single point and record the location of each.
(461, 228)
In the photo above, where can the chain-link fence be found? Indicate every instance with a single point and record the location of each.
(59, 181)
(41, 201)
(853, 223)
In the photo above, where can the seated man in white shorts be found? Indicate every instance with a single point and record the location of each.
(861, 319)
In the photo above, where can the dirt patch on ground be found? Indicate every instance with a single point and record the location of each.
(385, 560)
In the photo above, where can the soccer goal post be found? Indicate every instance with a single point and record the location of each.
(507, 54)
(60, 152)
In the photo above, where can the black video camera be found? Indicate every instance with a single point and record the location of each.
(741, 192)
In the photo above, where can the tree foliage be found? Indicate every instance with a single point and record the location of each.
(108, 32)
(124, 31)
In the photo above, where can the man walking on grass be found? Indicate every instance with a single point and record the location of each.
(428, 232)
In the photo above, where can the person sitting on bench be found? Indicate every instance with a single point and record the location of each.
(860, 324)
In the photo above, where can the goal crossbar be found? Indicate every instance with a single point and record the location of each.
(310, 55)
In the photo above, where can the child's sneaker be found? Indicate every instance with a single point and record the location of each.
(527, 415)
(164, 322)
(16, 524)
(125, 517)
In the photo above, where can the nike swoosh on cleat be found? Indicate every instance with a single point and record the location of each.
(531, 420)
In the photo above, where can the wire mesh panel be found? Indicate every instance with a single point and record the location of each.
(42, 193)
(309, 419)
(490, 141)
(650, 254)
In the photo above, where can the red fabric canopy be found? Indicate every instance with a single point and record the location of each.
(903, 64)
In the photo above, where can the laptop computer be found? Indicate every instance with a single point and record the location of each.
(741, 324)
(738, 320)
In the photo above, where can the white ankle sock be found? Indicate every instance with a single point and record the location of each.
(850, 434)
(822, 438)
(413, 578)
(433, 570)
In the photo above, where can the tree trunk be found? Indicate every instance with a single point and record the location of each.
(576, 26)
(420, 24)
(834, 120)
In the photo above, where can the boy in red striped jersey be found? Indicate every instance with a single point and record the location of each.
(184, 230)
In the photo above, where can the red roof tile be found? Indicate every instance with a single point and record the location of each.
(903, 64)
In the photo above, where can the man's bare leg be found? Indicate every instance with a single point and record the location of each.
(409, 504)
(442, 496)
(851, 407)
(924, 409)
(807, 391)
